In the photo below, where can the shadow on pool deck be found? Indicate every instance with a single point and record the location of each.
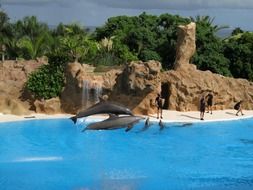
(229, 113)
(189, 116)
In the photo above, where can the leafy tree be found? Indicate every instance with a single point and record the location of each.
(167, 38)
(32, 49)
(239, 50)
(236, 31)
(31, 27)
(31, 39)
(5, 33)
(69, 29)
(77, 44)
(136, 36)
(209, 54)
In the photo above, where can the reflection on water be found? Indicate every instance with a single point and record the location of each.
(247, 141)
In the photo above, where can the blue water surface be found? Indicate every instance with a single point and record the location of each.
(55, 155)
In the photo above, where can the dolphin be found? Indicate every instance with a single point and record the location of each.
(104, 107)
(114, 122)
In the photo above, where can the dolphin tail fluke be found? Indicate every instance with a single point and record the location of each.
(74, 119)
(84, 129)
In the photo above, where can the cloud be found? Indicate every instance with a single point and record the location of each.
(145, 4)
(176, 4)
(34, 2)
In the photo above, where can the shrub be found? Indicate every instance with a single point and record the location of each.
(47, 82)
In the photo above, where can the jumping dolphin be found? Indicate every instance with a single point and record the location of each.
(114, 122)
(103, 107)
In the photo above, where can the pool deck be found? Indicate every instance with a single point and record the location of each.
(168, 116)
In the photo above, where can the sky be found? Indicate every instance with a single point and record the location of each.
(234, 13)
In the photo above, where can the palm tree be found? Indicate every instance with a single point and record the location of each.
(5, 33)
(208, 21)
(36, 47)
(31, 27)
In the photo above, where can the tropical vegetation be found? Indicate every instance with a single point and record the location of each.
(120, 40)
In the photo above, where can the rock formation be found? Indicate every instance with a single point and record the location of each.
(186, 46)
(51, 106)
(83, 87)
(13, 75)
(183, 86)
(184, 89)
(137, 86)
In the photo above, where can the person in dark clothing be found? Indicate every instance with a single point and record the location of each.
(209, 98)
(238, 107)
(202, 107)
(159, 105)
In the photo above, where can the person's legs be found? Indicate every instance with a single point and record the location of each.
(208, 109)
(157, 112)
(161, 113)
(202, 115)
(241, 111)
(211, 108)
(238, 112)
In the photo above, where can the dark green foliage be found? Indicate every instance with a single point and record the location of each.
(48, 81)
(143, 37)
(236, 31)
(209, 48)
(107, 59)
(147, 55)
(239, 50)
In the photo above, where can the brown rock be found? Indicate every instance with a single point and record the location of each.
(185, 88)
(137, 86)
(186, 46)
(50, 106)
(12, 106)
(82, 89)
(13, 76)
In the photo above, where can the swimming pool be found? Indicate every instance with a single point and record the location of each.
(55, 155)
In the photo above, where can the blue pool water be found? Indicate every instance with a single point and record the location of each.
(56, 155)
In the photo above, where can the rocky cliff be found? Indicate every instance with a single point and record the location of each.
(13, 75)
(183, 88)
(137, 86)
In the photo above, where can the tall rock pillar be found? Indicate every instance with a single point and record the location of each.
(186, 46)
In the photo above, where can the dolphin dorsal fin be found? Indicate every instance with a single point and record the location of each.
(112, 116)
(101, 99)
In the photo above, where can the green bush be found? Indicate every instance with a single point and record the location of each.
(47, 82)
